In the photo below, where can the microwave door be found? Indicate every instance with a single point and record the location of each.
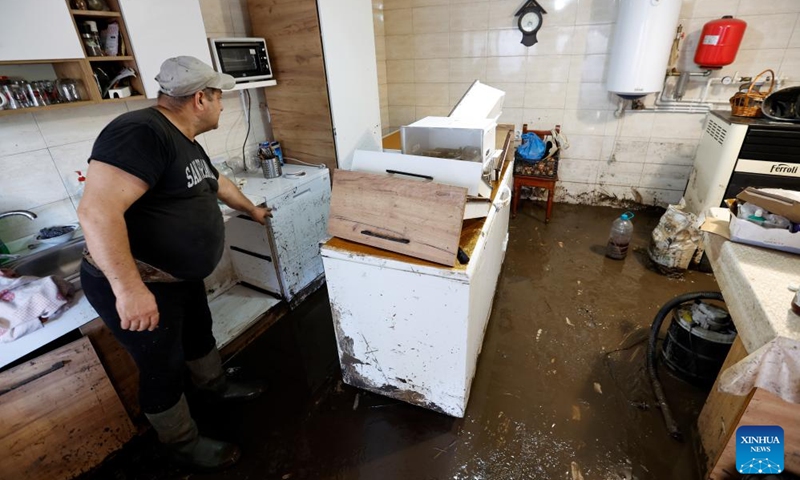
(239, 61)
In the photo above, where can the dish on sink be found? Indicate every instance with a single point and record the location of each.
(56, 235)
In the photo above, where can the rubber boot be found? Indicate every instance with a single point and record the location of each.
(209, 378)
(178, 432)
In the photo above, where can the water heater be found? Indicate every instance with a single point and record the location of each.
(642, 42)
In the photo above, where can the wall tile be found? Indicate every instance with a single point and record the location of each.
(560, 12)
(506, 69)
(431, 111)
(29, 179)
(399, 116)
(543, 118)
(554, 40)
(585, 147)
(76, 124)
(591, 39)
(19, 133)
(677, 125)
(431, 45)
(468, 44)
(756, 7)
(580, 193)
(515, 94)
(382, 73)
(427, 3)
(585, 122)
(380, 48)
(217, 16)
(69, 158)
(666, 177)
(596, 12)
(431, 19)
(513, 116)
(400, 71)
(752, 62)
(767, 31)
(467, 69)
(637, 124)
(398, 22)
(708, 8)
(549, 68)
(626, 150)
(577, 170)
(431, 71)
(794, 42)
(432, 95)
(383, 93)
(501, 14)
(396, 4)
(505, 43)
(378, 23)
(791, 64)
(588, 68)
(470, 16)
(619, 173)
(677, 152)
(402, 94)
(399, 47)
(457, 90)
(589, 96)
(240, 18)
(612, 195)
(545, 95)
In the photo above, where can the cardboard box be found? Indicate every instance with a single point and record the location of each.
(785, 203)
(724, 222)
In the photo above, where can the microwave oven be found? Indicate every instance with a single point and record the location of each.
(245, 59)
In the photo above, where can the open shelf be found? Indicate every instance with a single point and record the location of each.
(260, 84)
(109, 59)
(44, 108)
(95, 13)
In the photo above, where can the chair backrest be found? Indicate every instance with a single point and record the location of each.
(540, 133)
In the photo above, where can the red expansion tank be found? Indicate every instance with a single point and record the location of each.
(719, 42)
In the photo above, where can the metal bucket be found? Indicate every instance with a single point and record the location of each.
(271, 167)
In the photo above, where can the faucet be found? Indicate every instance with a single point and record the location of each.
(3, 249)
(24, 213)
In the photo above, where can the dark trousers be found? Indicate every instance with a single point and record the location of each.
(183, 334)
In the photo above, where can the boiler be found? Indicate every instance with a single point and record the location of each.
(640, 50)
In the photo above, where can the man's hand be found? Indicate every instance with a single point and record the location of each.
(260, 214)
(138, 310)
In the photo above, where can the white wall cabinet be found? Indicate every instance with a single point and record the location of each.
(162, 29)
(37, 30)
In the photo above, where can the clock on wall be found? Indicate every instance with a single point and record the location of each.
(530, 21)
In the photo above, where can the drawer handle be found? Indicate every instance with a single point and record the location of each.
(252, 254)
(302, 193)
(385, 237)
(417, 175)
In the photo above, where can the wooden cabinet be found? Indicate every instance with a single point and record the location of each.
(59, 415)
(326, 102)
(37, 31)
(159, 30)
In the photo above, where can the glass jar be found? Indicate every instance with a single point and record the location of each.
(68, 90)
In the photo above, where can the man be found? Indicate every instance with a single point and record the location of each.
(154, 231)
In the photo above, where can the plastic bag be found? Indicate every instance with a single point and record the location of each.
(532, 148)
(674, 240)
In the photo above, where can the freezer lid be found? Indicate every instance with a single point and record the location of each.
(480, 101)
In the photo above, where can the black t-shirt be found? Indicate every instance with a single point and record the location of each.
(176, 225)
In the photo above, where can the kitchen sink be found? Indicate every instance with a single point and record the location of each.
(62, 260)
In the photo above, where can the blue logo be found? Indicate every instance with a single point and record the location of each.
(759, 449)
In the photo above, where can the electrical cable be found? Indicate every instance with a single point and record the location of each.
(247, 135)
(318, 165)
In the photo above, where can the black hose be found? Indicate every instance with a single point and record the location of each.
(652, 356)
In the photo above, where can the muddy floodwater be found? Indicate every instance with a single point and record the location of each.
(561, 390)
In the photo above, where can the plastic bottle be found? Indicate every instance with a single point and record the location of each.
(620, 237)
(81, 184)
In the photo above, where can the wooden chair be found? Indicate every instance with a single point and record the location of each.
(548, 183)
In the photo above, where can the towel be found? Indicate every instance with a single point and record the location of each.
(27, 302)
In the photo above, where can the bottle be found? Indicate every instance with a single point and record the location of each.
(620, 237)
(81, 184)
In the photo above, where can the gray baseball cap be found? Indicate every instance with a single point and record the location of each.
(180, 76)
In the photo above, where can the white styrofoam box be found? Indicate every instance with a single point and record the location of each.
(480, 101)
(446, 132)
(439, 170)
(743, 231)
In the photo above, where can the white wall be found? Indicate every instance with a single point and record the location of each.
(435, 48)
(40, 151)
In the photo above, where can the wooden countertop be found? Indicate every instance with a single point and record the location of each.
(470, 232)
